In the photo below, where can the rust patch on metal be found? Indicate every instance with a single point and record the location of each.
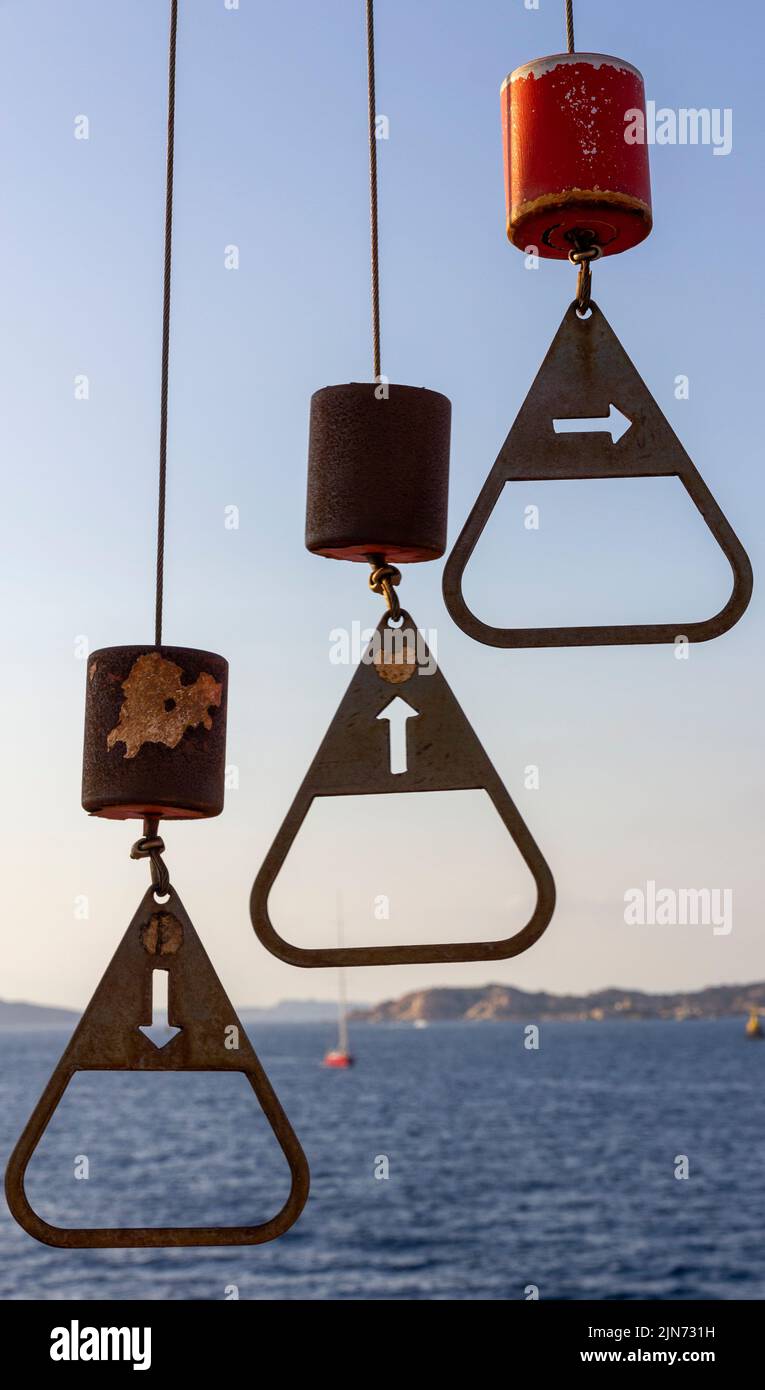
(162, 935)
(595, 196)
(158, 708)
(395, 671)
(93, 667)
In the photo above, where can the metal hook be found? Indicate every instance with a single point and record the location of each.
(582, 256)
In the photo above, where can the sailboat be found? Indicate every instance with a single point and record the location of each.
(340, 1056)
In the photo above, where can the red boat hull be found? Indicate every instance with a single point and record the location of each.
(338, 1059)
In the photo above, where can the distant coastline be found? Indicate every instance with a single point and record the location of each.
(482, 1004)
(501, 1003)
(17, 1014)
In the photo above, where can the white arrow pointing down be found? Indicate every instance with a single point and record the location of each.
(159, 1032)
(614, 424)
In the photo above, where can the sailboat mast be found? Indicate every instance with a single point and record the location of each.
(342, 1020)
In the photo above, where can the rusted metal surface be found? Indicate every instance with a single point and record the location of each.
(158, 707)
(584, 374)
(396, 668)
(378, 473)
(155, 733)
(109, 1038)
(162, 935)
(443, 754)
(570, 164)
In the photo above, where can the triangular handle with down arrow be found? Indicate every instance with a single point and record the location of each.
(109, 1037)
(585, 375)
(441, 753)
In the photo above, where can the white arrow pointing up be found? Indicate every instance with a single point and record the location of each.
(614, 424)
(397, 713)
(159, 1030)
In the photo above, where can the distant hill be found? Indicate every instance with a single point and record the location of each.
(490, 1003)
(20, 1015)
(14, 1014)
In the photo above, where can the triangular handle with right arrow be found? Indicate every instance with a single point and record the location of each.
(587, 378)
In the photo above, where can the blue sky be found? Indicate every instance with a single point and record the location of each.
(650, 768)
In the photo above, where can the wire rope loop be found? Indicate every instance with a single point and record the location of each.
(151, 846)
(382, 581)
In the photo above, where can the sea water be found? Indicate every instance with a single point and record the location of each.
(450, 1163)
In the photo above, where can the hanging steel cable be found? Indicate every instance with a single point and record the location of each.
(376, 369)
(166, 324)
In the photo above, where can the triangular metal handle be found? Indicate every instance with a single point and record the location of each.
(353, 759)
(585, 375)
(109, 1038)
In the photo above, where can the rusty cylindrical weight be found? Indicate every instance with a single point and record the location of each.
(378, 472)
(576, 157)
(155, 733)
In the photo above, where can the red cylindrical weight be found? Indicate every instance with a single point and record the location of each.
(155, 733)
(378, 472)
(576, 158)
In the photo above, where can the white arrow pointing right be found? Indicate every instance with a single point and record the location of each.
(614, 424)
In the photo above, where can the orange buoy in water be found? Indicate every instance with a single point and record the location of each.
(576, 158)
(753, 1025)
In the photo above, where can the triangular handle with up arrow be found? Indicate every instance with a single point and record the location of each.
(111, 1036)
(587, 379)
(439, 750)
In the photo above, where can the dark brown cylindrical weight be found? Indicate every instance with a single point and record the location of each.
(155, 733)
(378, 472)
